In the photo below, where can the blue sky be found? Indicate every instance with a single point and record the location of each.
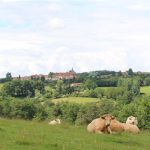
(39, 36)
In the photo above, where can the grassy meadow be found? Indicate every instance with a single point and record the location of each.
(29, 135)
(80, 100)
(145, 90)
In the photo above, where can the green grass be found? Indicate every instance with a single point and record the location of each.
(26, 135)
(1, 85)
(145, 90)
(80, 100)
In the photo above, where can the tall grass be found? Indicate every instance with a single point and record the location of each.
(26, 135)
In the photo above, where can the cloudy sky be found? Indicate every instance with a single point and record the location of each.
(39, 36)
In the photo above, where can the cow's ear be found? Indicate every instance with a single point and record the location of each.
(103, 117)
(112, 117)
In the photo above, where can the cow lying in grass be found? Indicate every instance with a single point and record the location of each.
(101, 125)
(109, 124)
(129, 126)
(55, 122)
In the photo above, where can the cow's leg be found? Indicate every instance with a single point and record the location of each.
(99, 132)
(109, 130)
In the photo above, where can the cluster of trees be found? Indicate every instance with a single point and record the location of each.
(22, 109)
(18, 88)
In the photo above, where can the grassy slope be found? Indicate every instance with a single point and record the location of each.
(145, 90)
(76, 100)
(25, 135)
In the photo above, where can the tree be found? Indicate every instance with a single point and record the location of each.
(59, 86)
(43, 79)
(130, 72)
(90, 84)
(18, 88)
(39, 85)
(8, 76)
(50, 74)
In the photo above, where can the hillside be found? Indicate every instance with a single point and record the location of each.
(26, 135)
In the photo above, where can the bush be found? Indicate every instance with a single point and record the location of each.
(24, 109)
(139, 108)
(41, 113)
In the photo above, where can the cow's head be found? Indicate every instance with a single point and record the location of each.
(132, 120)
(107, 118)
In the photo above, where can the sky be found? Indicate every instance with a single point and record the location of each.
(42, 36)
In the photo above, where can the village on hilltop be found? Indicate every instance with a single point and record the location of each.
(51, 76)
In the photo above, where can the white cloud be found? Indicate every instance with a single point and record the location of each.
(8, 1)
(89, 39)
(140, 7)
(112, 59)
(16, 18)
(54, 7)
(57, 23)
(6, 44)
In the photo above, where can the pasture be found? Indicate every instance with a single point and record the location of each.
(29, 135)
(145, 90)
(80, 100)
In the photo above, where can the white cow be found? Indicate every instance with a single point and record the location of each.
(132, 120)
(131, 125)
(55, 122)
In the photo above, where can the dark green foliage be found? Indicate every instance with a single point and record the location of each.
(147, 81)
(60, 87)
(8, 76)
(50, 74)
(89, 84)
(108, 82)
(140, 108)
(67, 111)
(22, 109)
(39, 85)
(89, 93)
(131, 88)
(130, 72)
(18, 88)
(41, 113)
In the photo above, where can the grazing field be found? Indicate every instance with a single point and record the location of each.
(28, 135)
(76, 100)
(145, 90)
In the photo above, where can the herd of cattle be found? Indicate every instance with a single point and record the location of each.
(109, 124)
